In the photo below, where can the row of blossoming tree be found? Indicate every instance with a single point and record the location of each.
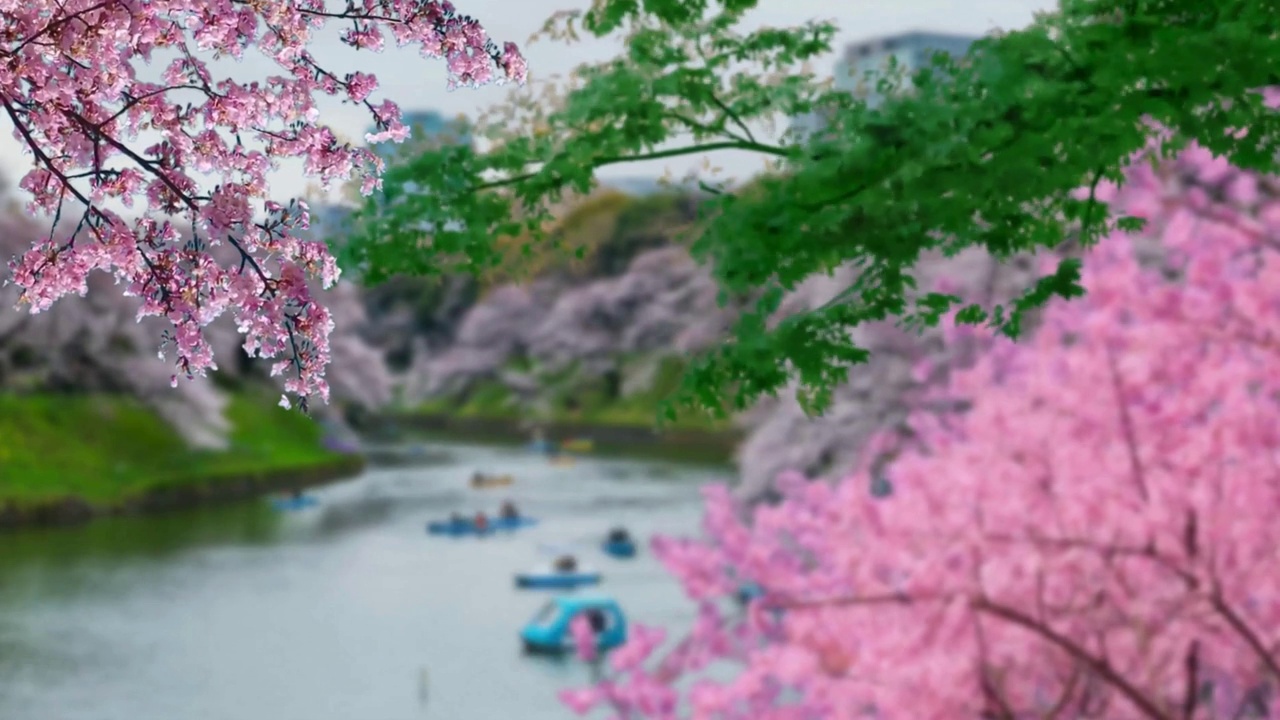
(1093, 536)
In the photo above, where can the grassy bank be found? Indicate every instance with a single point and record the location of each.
(108, 451)
(617, 441)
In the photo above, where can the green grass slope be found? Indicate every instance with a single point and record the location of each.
(104, 449)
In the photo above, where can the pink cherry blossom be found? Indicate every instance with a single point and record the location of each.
(68, 83)
(584, 639)
(1090, 534)
(580, 700)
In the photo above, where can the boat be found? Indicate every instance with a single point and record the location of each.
(541, 447)
(578, 445)
(619, 548)
(491, 481)
(619, 544)
(289, 504)
(548, 631)
(554, 577)
(562, 461)
(468, 526)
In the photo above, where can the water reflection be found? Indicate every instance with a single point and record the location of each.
(636, 502)
(374, 510)
(408, 455)
(154, 537)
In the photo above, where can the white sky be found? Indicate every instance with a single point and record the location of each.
(416, 83)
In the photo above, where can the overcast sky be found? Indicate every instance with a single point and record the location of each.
(419, 84)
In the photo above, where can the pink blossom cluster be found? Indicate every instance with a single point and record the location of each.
(68, 83)
(1095, 536)
(584, 638)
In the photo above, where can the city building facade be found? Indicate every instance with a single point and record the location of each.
(911, 50)
(425, 126)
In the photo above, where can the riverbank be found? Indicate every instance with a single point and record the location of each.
(67, 459)
(692, 445)
(619, 424)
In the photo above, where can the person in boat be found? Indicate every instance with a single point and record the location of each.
(456, 519)
(477, 478)
(597, 620)
(619, 535)
(566, 564)
(539, 441)
(481, 521)
(509, 511)
(296, 495)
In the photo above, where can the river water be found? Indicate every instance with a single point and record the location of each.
(347, 611)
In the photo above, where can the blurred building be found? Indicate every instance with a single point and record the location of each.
(911, 50)
(637, 186)
(328, 220)
(426, 127)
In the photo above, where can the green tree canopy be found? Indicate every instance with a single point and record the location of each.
(985, 151)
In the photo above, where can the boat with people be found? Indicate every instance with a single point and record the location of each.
(539, 444)
(564, 573)
(482, 481)
(619, 543)
(296, 501)
(480, 524)
(578, 445)
(548, 631)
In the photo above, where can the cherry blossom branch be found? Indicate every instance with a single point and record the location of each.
(1191, 697)
(269, 285)
(1101, 668)
(41, 157)
(69, 83)
(990, 694)
(1146, 552)
(54, 24)
(1241, 627)
(1068, 692)
(1126, 424)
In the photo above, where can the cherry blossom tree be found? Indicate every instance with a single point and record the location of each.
(664, 303)
(96, 344)
(1094, 536)
(359, 373)
(68, 82)
(883, 392)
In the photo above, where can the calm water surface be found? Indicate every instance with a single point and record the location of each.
(348, 611)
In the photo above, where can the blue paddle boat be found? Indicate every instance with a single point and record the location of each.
(548, 631)
(297, 502)
(619, 544)
(563, 574)
(467, 526)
